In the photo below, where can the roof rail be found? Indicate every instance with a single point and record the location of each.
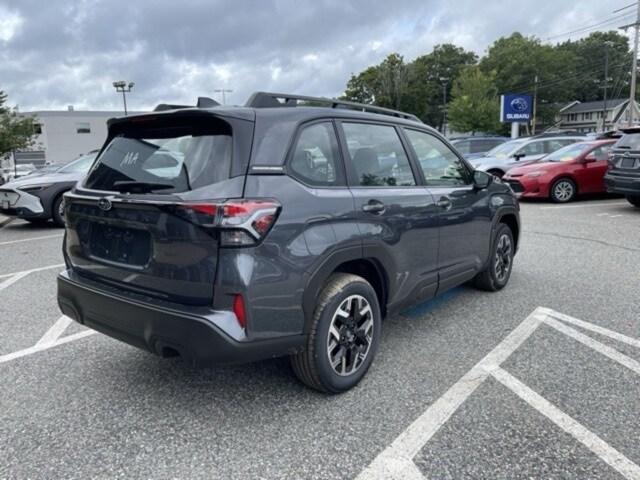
(203, 102)
(269, 99)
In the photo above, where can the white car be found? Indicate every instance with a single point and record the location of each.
(521, 151)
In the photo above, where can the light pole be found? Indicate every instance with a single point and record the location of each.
(445, 81)
(123, 87)
(223, 91)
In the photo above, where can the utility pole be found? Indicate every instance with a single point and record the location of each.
(634, 66)
(124, 88)
(445, 81)
(223, 91)
(535, 102)
(606, 84)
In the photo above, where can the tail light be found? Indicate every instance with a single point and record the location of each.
(241, 222)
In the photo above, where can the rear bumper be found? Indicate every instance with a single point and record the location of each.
(626, 185)
(201, 339)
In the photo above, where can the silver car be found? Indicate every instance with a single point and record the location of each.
(521, 151)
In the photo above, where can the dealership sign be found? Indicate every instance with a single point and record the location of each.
(515, 107)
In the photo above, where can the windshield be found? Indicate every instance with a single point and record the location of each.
(568, 153)
(505, 149)
(163, 162)
(80, 165)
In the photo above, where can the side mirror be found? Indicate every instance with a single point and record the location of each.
(481, 179)
(518, 156)
(589, 159)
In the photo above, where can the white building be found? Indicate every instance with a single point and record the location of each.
(588, 117)
(64, 135)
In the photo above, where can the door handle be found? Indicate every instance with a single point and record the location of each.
(374, 206)
(444, 203)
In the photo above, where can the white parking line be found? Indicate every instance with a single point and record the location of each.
(43, 347)
(13, 279)
(396, 461)
(44, 237)
(594, 328)
(584, 205)
(55, 331)
(605, 350)
(606, 452)
(27, 272)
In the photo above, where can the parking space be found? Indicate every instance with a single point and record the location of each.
(557, 397)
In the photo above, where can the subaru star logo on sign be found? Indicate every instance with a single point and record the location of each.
(515, 107)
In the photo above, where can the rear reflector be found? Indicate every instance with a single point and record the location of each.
(239, 310)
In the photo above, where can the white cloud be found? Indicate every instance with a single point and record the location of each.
(175, 51)
(10, 23)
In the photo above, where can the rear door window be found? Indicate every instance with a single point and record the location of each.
(316, 158)
(161, 161)
(533, 148)
(377, 156)
(553, 145)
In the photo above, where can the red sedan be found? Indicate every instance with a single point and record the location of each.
(563, 174)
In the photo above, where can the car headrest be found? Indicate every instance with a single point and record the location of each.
(366, 161)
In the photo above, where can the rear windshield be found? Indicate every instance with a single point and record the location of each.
(629, 141)
(163, 161)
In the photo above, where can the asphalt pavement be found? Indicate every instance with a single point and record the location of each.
(557, 405)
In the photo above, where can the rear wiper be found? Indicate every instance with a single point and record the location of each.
(133, 186)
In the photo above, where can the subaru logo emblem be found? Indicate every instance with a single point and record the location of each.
(104, 204)
(519, 104)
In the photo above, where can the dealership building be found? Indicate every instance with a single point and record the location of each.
(62, 136)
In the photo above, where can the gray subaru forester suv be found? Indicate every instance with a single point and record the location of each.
(290, 226)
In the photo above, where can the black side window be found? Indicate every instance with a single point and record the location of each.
(316, 158)
(377, 156)
(440, 165)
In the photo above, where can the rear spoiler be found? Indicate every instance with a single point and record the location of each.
(203, 102)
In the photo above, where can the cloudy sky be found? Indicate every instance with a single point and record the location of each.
(58, 53)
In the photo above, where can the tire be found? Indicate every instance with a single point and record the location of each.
(563, 190)
(498, 271)
(313, 366)
(634, 200)
(496, 172)
(57, 211)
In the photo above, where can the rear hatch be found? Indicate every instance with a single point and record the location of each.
(143, 218)
(625, 155)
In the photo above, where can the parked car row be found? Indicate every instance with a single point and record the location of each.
(561, 167)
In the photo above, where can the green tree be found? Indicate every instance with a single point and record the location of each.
(589, 53)
(16, 131)
(431, 78)
(415, 87)
(363, 87)
(517, 60)
(475, 106)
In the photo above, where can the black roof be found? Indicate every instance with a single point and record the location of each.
(594, 106)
